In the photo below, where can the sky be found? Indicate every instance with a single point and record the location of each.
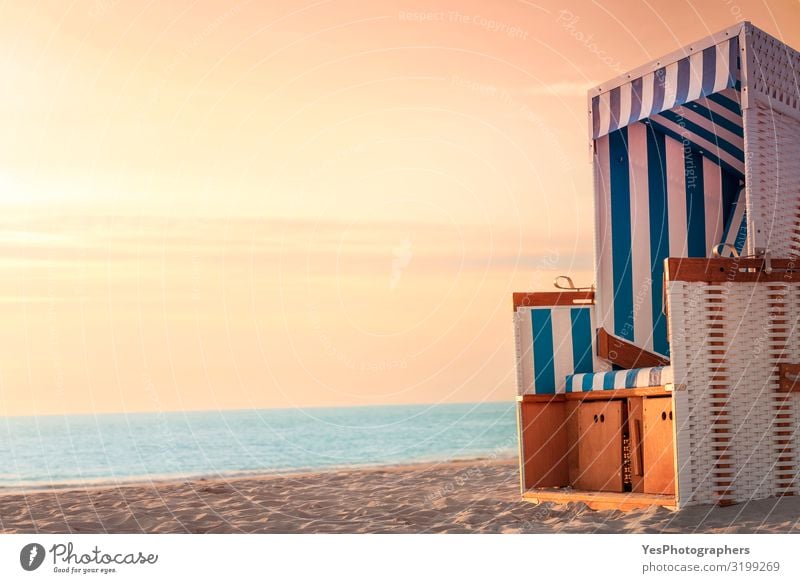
(229, 205)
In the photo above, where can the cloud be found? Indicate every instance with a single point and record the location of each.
(560, 89)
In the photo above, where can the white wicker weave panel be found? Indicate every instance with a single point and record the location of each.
(793, 355)
(751, 398)
(727, 341)
(519, 353)
(773, 70)
(780, 349)
(772, 179)
(690, 343)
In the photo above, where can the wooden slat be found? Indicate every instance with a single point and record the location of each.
(618, 394)
(624, 354)
(789, 378)
(731, 270)
(658, 444)
(600, 446)
(600, 500)
(544, 444)
(545, 299)
(541, 398)
(635, 434)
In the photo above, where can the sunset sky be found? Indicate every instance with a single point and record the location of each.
(209, 205)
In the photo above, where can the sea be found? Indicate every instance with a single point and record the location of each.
(46, 451)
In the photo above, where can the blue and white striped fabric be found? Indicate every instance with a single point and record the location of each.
(656, 197)
(656, 376)
(712, 125)
(735, 233)
(701, 74)
(554, 342)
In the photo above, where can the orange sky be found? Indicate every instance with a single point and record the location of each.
(232, 205)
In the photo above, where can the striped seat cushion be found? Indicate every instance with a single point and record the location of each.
(634, 378)
(553, 342)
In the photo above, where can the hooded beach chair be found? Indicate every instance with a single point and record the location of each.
(675, 379)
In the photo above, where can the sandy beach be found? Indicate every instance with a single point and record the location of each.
(479, 496)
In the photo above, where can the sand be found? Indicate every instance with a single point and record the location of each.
(480, 496)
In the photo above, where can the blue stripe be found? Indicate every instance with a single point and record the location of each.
(730, 195)
(683, 139)
(659, 82)
(587, 381)
(636, 99)
(683, 81)
(659, 230)
(716, 119)
(581, 339)
(695, 203)
(741, 236)
(621, 233)
(730, 203)
(733, 61)
(709, 69)
(726, 102)
(543, 361)
(705, 134)
(614, 104)
(608, 380)
(630, 378)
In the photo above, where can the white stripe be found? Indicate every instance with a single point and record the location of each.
(562, 345)
(702, 143)
(605, 275)
(695, 76)
(641, 274)
(712, 188)
(526, 350)
(724, 112)
(670, 86)
(723, 66)
(643, 378)
(690, 115)
(676, 199)
(625, 104)
(598, 364)
(604, 103)
(647, 95)
(597, 382)
(736, 221)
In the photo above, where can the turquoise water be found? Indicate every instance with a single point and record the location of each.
(39, 451)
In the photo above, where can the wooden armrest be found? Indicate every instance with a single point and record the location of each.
(734, 270)
(545, 299)
(624, 354)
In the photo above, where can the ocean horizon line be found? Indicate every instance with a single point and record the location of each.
(510, 401)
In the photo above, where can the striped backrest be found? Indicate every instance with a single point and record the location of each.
(664, 187)
(669, 168)
(553, 342)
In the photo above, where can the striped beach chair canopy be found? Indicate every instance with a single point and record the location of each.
(669, 170)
